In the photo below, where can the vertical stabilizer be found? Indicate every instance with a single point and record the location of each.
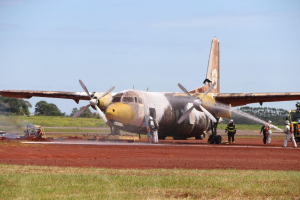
(213, 69)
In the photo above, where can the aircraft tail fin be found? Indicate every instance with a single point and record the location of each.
(213, 70)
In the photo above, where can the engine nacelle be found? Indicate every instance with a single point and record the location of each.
(104, 101)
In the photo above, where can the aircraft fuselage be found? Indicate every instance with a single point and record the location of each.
(129, 108)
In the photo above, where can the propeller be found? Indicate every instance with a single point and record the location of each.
(93, 102)
(197, 102)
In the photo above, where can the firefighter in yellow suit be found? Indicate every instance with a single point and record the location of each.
(230, 128)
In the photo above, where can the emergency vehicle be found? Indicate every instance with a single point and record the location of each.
(294, 117)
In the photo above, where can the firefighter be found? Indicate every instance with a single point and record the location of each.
(39, 134)
(289, 135)
(155, 133)
(269, 132)
(263, 130)
(153, 127)
(230, 128)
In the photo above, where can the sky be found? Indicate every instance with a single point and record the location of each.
(50, 45)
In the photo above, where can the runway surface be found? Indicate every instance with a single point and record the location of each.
(247, 153)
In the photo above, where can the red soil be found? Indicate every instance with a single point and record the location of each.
(247, 153)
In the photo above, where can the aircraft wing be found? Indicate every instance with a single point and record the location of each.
(240, 99)
(27, 94)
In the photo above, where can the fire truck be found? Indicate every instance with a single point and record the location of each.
(294, 117)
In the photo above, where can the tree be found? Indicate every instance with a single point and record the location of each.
(87, 114)
(47, 109)
(75, 110)
(15, 106)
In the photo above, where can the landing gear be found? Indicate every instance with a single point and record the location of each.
(214, 138)
(114, 130)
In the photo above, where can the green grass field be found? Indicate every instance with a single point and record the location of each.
(51, 121)
(35, 182)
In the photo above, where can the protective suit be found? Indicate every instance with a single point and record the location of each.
(289, 135)
(231, 130)
(153, 127)
(268, 131)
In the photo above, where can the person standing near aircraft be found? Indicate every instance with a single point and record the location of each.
(153, 127)
(289, 134)
(269, 131)
(230, 128)
(263, 130)
(39, 133)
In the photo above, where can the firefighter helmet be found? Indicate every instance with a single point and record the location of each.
(287, 122)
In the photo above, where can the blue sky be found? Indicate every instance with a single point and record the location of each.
(50, 45)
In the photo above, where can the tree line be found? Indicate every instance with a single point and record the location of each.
(14, 106)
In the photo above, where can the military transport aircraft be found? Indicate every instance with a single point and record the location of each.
(180, 115)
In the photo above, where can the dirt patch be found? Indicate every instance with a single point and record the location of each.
(247, 153)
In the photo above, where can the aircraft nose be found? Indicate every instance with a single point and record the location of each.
(120, 112)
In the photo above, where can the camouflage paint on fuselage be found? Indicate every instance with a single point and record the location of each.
(169, 107)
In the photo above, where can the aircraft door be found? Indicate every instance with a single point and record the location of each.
(152, 113)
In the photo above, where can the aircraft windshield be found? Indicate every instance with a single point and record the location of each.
(127, 99)
(116, 99)
(295, 116)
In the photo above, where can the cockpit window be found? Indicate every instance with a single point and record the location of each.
(127, 99)
(116, 99)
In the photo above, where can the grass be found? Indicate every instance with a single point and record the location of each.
(50, 121)
(36, 182)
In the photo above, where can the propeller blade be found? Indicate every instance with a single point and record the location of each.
(108, 91)
(101, 114)
(84, 88)
(184, 90)
(210, 116)
(209, 89)
(185, 115)
(81, 111)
